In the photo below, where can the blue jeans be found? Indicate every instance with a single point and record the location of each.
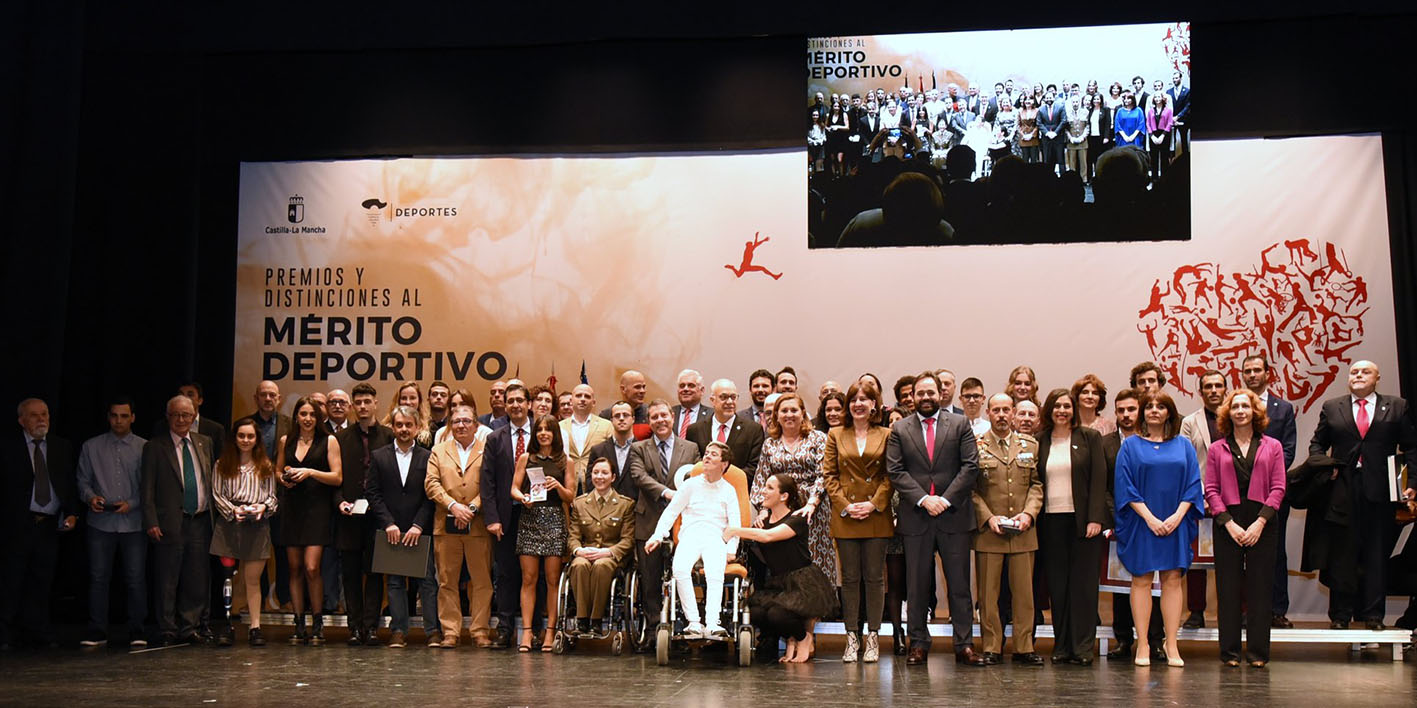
(102, 546)
(427, 594)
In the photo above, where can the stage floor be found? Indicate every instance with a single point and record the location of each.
(337, 675)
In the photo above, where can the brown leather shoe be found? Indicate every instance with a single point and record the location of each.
(435, 638)
(916, 656)
(448, 643)
(396, 640)
(969, 657)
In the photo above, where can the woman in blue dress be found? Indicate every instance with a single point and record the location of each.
(1159, 506)
(1130, 122)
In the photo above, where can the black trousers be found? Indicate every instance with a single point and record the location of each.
(1053, 152)
(363, 590)
(507, 575)
(1280, 593)
(920, 551)
(651, 570)
(1071, 564)
(1371, 534)
(31, 552)
(183, 570)
(1242, 573)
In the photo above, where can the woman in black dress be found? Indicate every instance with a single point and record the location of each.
(542, 531)
(309, 465)
(796, 593)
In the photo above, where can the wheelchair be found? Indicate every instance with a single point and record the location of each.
(624, 624)
(733, 615)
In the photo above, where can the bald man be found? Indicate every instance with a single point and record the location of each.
(1349, 535)
(581, 431)
(633, 388)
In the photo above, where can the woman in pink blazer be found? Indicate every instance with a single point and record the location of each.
(1244, 485)
(1159, 121)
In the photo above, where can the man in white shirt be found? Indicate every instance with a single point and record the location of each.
(971, 394)
(690, 407)
(336, 410)
(616, 448)
(709, 506)
(582, 431)
(399, 506)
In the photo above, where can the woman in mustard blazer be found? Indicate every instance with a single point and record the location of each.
(854, 472)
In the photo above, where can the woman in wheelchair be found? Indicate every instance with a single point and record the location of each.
(709, 505)
(796, 593)
(602, 534)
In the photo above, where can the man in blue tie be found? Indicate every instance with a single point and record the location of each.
(176, 484)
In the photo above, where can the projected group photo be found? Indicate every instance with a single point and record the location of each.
(1029, 136)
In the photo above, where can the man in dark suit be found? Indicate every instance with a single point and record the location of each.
(616, 448)
(400, 507)
(40, 501)
(653, 462)
(690, 408)
(177, 498)
(1254, 370)
(933, 462)
(499, 460)
(760, 384)
(1181, 114)
(214, 429)
(633, 388)
(354, 533)
(496, 418)
(1128, 413)
(1361, 429)
(1051, 117)
(867, 127)
(743, 437)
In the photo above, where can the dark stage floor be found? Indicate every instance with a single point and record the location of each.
(375, 676)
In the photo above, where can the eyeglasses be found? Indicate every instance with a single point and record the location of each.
(181, 416)
(462, 421)
(972, 396)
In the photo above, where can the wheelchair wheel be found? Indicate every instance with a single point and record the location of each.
(558, 643)
(661, 645)
(745, 646)
(617, 643)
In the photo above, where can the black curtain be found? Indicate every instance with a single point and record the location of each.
(1400, 168)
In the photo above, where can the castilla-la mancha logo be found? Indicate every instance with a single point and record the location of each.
(295, 210)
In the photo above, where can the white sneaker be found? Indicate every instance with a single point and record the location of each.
(715, 631)
(853, 647)
(694, 631)
(872, 652)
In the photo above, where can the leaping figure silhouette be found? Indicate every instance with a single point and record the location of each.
(747, 265)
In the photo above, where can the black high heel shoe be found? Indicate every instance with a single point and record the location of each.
(898, 639)
(317, 631)
(299, 637)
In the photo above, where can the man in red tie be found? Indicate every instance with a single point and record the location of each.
(933, 462)
(1350, 540)
(742, 436)
(690, 408)
(500, 454)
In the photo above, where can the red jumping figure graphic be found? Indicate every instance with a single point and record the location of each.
(747, 265)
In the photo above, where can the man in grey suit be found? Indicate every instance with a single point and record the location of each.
(177, 499)
(933, 463)
(652, 465)
(691, 408)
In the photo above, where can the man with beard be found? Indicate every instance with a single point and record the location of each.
(1201, 430)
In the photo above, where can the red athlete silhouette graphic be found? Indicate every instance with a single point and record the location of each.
(747, 264)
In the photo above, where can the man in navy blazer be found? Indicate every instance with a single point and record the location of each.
(1181, 111)
(498, 462)
(933, 462)
(1051, 117)
(1361, 429)
(402, 510)
(1254, 371)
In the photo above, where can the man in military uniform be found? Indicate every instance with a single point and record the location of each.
(1007, 500)
(602, 532)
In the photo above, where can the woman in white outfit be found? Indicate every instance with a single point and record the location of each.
(709, 506)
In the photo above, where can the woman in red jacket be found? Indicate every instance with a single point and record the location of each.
(1244, 485)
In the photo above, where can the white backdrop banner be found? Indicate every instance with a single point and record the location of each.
(472, 269)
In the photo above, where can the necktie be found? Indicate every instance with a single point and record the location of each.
(684, 427)
(521, 442)
(189, 480)
(722, 432)
(664, 455)
(1362, 419)
(930, 447)
(42, 494)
